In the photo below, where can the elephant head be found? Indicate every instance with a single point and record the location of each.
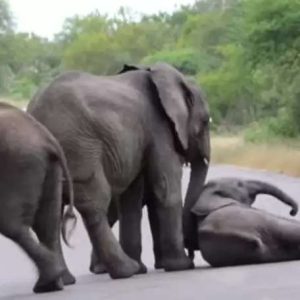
(227, 191)
(187, 110)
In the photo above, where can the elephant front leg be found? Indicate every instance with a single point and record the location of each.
(171, 239)
(130, 204)
(165, 178)
(153, 221)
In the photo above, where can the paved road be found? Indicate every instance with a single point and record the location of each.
(261, 282)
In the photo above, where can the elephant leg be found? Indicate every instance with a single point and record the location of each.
(50, 270)
(92, 201)
(165, 178)
(49, 215)
(130, 204)
(97, 266)
(283, 243)
(222, 249)
(153, 221)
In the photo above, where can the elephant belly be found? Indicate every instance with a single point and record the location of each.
(90, 157)
(228, 249)
(227, 239)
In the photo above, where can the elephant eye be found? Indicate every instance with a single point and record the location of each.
(206, 121)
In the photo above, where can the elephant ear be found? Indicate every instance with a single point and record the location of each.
(175, 98)
(127, 68)
(207, 203)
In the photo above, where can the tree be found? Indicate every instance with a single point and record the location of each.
(6, 20)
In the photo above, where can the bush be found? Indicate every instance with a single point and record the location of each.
(185, 60)
(23, 88)
(6, 78)
(271, 128)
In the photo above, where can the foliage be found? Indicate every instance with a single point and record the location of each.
(101, 46)
(245, 54)
(185, 60)
(6, 20)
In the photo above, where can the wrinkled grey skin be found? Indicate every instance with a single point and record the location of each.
(231, 232)
(114, 129)
(32, 166)
(129, 230)
(130, 225)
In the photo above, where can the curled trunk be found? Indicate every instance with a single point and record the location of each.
(258, 187)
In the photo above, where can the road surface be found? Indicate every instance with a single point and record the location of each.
(259, 282)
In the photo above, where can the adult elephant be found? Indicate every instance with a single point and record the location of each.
(143, 122)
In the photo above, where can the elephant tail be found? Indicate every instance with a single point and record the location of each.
(56, 150)
(69, 218)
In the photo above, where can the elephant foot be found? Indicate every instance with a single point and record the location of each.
(68, 278)
(142, 269)
(98, 268)
(43, 286)
(178, 264)
(191, 254)
(158, 265)
(124, 269)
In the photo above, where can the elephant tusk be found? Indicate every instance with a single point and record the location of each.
(205, 160)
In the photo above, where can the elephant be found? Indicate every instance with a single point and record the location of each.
(31, 182)
(231, 232)
(129, 229)
(139, 125)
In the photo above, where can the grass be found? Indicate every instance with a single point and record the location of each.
(278, 156)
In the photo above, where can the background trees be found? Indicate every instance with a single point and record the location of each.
(245, 54)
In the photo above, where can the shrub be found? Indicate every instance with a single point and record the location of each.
(185, 60)
(271, 128)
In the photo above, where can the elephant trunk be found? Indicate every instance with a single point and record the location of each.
(197, 179)
(258, 187)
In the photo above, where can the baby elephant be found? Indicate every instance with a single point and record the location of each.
(231, 232)
(32, 164)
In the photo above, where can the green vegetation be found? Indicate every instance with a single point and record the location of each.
(245, 54)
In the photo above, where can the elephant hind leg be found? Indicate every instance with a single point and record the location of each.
(229, 249)
(96, 265)
(92, 201)
(47, 223)
(49, 268)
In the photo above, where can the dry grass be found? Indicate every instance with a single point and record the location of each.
(281, 157)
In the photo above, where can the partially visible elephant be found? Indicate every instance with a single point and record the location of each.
(143, 122)
(231, 232)
(32, 166)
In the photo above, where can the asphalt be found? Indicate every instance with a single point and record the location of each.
(259, 282)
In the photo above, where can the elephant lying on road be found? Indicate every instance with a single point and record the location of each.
(231, 232)
(32, 163)
(142, 123)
